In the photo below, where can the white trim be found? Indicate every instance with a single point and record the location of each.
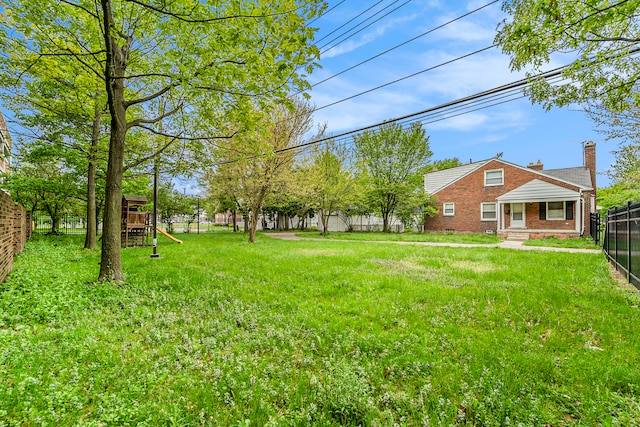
(482, 218)
(524, 216)
(580, 212)
(524, 168)
(477, 165)
(444, 209)
(494, 170)
(564, 211)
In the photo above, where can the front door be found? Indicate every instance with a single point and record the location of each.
(517, 215)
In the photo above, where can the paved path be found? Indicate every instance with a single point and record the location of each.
(508, 244)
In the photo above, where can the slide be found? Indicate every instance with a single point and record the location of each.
(164, 233)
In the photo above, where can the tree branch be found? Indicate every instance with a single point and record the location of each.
(161, 92)
(150, 156)
(138, 122)
(68, 3)
(189, 19)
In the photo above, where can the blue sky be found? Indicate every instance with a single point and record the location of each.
(522, 131)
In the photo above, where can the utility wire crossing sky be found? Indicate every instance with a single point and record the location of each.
(392, 59)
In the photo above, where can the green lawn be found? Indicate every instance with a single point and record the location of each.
(406, 237)
(578, 243)
(220, 332)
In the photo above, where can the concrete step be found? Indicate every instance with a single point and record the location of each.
(517, 235)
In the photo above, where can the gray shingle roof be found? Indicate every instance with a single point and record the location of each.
(578, 175)
(436, 181)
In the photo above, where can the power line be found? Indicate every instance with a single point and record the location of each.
(405, 42)
(552, 76)
(348, 22)
(517, 84)
(365, 27)
(406, 77)
(325, 12)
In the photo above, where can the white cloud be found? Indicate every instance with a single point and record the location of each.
(366, 38)
(466, 31)
(466, 122)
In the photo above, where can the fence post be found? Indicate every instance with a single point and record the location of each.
(615, 237)
(629, 241)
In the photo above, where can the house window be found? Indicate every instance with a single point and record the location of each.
(447, 209)
(494, 177)
(555, 210)
(558, 211)
(488, 212)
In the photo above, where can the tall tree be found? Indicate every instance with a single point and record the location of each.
(601, 36)
(261, 161)
(248, 53)
(333, 183)
(390, 159)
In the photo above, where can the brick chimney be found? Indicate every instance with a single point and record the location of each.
(590, 160)
(536, 166)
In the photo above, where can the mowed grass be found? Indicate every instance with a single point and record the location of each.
(222, 332)
(572, 242)
(474, 238)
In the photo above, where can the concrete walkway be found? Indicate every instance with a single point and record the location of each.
(507, 244)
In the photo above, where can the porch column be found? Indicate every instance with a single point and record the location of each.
(499, 214)
(579, 214)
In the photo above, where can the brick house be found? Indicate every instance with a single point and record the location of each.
(495, 196)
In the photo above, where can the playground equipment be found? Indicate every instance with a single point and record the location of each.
(164, 233)
(134, 227)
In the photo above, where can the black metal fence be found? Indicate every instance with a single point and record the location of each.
(596, 228)
(67, 224)
(622, 240)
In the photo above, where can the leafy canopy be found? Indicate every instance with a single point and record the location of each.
(390, 160)
(599, 34)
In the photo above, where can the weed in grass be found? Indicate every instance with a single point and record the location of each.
(573, 242)
(220, 332)
(471, 238)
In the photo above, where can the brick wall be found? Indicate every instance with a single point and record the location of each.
(7, 215)
(469, 192)
(15, 229)
(20, 228)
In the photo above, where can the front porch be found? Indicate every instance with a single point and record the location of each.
(522, 234)
(539, 209)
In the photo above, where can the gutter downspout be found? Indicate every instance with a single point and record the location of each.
(582, 203)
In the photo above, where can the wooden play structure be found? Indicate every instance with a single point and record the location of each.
(134, 221)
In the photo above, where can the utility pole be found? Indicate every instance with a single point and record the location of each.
(155, 207)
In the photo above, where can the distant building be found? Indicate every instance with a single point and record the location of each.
(495, 196)
(5, 147)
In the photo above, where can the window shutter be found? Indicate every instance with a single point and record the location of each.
(543, 210)
(569, 208)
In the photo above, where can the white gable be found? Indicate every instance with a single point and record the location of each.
(436, 181)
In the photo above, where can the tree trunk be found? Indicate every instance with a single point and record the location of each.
(324, 218)
(233, 221)
(92, 224)
(254, 223)
(255, 213)
(111, 263)
(115, 66)
(55, 224)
